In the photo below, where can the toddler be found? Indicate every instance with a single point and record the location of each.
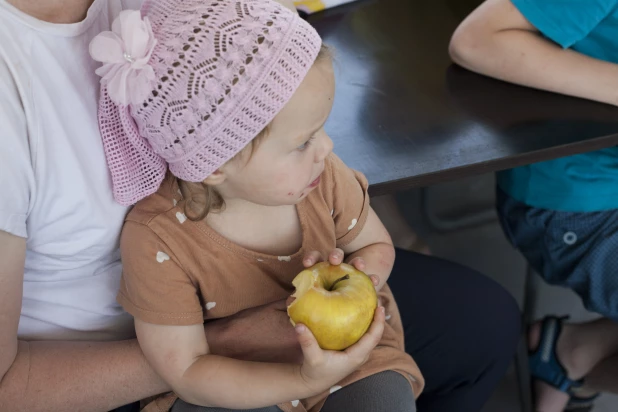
(212, 116)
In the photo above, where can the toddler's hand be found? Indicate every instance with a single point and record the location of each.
(336, 258)
(323, 368)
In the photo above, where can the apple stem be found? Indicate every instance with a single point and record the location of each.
(346, 277)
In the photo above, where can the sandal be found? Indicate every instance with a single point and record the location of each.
(580, 403)
(545, 366)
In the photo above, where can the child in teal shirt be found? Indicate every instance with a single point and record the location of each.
(561, 214)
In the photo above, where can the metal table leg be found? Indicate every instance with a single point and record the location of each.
(451, 224)
(521, 358)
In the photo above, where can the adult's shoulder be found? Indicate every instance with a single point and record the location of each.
(132, 4)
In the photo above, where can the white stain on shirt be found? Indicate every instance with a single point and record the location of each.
(354, 222)
(162, 257)
(335, 388)
(181, 217)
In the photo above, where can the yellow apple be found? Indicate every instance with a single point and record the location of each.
(336, 303)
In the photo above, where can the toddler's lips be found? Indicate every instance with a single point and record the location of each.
(316, 182)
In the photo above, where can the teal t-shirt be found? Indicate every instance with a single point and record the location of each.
(585, 182)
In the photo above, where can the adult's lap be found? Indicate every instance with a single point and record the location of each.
(460, 327)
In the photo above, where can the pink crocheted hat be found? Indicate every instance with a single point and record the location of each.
(189, 83)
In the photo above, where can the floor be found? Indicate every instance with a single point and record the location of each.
(484, 248)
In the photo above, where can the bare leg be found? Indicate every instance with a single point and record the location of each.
(604, 376)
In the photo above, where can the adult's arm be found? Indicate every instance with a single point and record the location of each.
(62, 376)
(99, 376)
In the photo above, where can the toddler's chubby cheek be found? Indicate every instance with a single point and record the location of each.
(296, 193)
(281, 180)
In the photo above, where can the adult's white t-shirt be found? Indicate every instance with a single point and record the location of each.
(55, 188)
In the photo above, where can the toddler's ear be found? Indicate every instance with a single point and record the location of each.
(216, 178)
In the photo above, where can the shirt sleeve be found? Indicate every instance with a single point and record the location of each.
(132, 4)
(16, 171)
(350, 200)
(154, 288)
(565, 22)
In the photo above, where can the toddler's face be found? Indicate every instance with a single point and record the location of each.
(286, 165)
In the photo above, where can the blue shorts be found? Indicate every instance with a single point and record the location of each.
(575, 250)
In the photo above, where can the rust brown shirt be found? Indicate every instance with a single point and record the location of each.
(180, 272)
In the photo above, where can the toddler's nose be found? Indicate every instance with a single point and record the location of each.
(326, 147)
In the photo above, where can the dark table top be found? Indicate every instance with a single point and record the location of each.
(406, 117)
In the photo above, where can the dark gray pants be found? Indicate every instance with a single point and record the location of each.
(384, 392)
